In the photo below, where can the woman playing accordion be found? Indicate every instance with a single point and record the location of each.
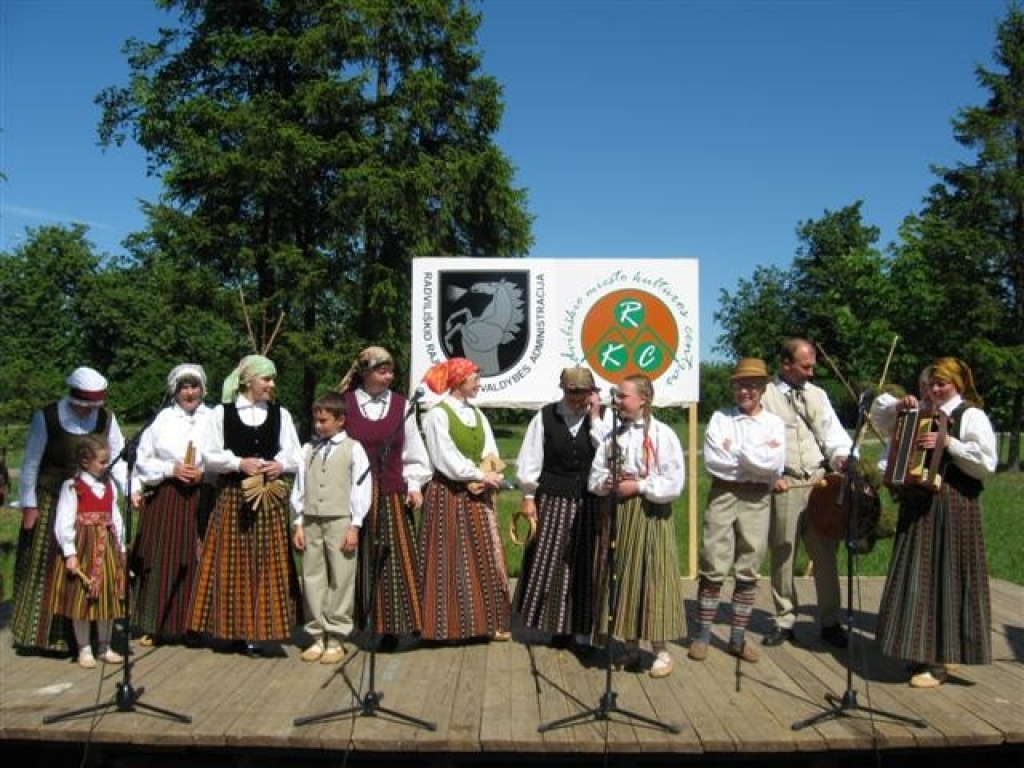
(935, 608)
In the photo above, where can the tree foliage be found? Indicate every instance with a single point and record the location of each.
(41, 326)
(969, 239)
(952, 285)
(309, 151)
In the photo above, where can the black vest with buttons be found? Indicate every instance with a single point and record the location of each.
(567, 459)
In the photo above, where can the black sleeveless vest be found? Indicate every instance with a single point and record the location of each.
(968, 487)
(567, 459)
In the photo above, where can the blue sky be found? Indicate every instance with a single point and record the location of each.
(640, 128)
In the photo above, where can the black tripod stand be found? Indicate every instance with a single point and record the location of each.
(608, 704)
(846, 705)
(126, 696)
(369, 704)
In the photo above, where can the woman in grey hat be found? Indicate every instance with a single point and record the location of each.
(555, 592)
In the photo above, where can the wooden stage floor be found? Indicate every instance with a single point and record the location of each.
(487, 701)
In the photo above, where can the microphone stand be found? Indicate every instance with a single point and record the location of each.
(608, 703)
(126, 697)
(369, 705)
(846, 705)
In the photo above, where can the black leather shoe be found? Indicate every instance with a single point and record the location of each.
(778, 636)
(835, 636)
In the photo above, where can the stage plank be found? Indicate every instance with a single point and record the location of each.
(491, 698)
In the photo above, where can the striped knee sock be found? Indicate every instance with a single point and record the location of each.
(707, 601)
(742, 606)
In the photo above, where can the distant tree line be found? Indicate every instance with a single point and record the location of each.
(308, 151)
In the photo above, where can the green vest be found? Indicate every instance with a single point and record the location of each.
(469, 440)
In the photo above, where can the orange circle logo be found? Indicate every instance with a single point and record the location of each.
(629, 332)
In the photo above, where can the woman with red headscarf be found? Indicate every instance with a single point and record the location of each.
(935, 608)
(465, 587)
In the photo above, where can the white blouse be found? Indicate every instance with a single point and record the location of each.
(659, 465)
(975, 451)
(74, 424)
(446, 458)
(164, 442)
(220, 460)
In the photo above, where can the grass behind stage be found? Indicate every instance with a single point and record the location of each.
(1001, 501)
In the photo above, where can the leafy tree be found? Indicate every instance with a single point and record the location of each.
(42, 336)
(834, 294)
(842, 297)
(309, 150)
(758, 316)
(969, 239)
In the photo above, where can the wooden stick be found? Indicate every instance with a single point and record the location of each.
(849, 389)
(248, 322)
(273, 336)
(806, 484)
(885, 370)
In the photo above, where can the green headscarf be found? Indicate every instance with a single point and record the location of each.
(251, 367)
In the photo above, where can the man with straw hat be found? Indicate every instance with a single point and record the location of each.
(744, 452)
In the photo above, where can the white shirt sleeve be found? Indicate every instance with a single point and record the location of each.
(362, 493)
(531, 456)
(35, 445)
(975, 451)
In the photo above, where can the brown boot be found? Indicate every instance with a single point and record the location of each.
(744, 651)
(698, 650)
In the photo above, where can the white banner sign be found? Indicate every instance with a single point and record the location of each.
(523, 320)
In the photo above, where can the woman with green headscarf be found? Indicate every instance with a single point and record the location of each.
(247, 588)
(935, 610)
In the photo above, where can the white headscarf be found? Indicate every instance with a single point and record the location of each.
(183, 371)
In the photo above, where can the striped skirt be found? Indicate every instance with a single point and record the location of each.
(247, 587)
(33, 625)
(647, 591)
(465, 586)
(70, 595)
(555, 592)
(389, 532)
(165, 557)
(935, 607)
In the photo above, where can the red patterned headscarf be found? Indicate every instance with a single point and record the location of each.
(448, 374)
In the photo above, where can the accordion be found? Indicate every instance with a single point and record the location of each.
(908, 465)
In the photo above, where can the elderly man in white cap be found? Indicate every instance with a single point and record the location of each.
(49, 460)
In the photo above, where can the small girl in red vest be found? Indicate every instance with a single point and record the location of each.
(89, 585)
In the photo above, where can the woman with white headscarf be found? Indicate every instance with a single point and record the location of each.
(247, 589)
(53, 438)
(169, 487)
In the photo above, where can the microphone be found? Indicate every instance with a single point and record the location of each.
(418, 394)
(614, 393)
